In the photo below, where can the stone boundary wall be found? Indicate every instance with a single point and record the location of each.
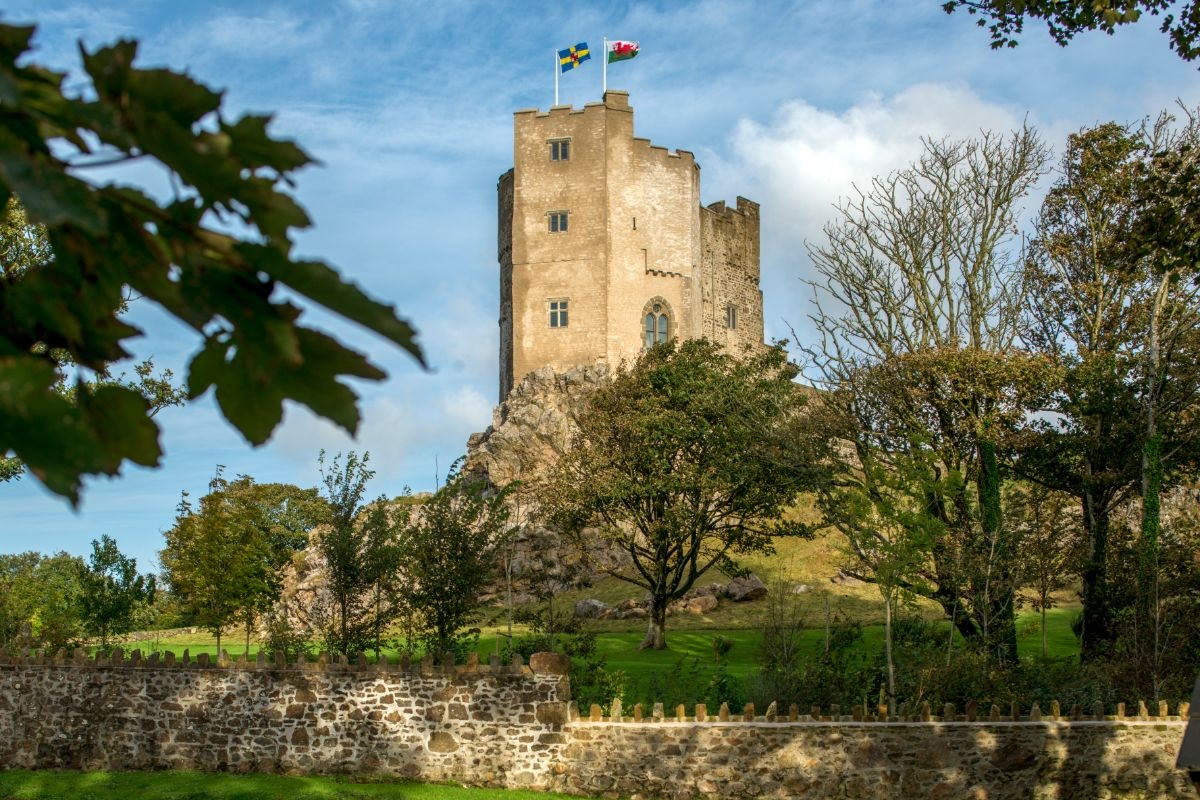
(479, 723)
(514, 725)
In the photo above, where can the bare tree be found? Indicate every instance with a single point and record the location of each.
(917, 308)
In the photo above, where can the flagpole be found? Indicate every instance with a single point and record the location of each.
(555, 77)
(604, 56)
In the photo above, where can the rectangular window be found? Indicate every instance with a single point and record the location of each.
(731, 316)
(560, 149)
(558, 313)
(558, 221)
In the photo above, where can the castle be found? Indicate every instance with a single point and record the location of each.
(605, 249)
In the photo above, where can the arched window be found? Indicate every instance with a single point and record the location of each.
(657, 318)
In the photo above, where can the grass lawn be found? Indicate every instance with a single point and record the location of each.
(620, 648)
(21, 785)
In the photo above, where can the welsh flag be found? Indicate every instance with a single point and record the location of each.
(621, 51)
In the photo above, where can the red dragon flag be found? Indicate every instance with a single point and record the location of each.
(621, 51)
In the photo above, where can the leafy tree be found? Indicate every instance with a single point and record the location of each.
(448, 553)
(880, 507)
(917, 308)
(18, 593)
(1005, 19)
(1051, 535)
(1167, 238)
(685, 460)
(108, 240)
(111, 590)
(1109, 301)
(359, 550)
(42, 592)
(217, 561)
(58, 616)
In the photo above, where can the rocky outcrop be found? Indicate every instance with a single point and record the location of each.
(533, 427)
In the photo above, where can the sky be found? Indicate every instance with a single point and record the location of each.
(408, 108)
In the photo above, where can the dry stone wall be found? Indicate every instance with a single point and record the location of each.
(513, 725)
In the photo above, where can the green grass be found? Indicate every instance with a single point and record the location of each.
(620, 648)
(22, 785)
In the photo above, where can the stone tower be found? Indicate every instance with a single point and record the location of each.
(605, 249)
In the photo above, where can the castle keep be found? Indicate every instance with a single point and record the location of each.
(604, 247)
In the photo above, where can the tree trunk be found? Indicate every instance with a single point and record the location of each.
(246, 651)
(1097, 611)
(887, 642)
(656, 632)
(218, 643)
(1000, 594)
(1043, 624)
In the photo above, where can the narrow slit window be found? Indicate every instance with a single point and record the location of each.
(731, 316)
(558, 313)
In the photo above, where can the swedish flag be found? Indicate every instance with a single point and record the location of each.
(573, 56)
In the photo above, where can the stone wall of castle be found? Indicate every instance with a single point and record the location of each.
(733, 302)
(493, 725)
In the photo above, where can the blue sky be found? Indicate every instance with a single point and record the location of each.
(408, 107)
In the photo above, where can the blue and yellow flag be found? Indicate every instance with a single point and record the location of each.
(573, 56)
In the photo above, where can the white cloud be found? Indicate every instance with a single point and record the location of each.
(801, 161)
(806, 158)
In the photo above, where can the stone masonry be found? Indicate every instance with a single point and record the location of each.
(636, 241)
(494, 725)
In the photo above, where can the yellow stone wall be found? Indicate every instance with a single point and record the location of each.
(636, 234)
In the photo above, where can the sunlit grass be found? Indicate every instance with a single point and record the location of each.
(22, 785)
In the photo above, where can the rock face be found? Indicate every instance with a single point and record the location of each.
(534, 426)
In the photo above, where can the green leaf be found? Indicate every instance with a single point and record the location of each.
(318, 281)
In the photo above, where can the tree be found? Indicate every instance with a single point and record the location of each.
(111, 590)
(359, 550)
(685, 460)
(1005, 19)
(43, 593)
(1167, 238)
(888, 531)
(109, 239)
(1110, 303)
(1051, 535)
(448, 553)
(223, 559)
(917, 307)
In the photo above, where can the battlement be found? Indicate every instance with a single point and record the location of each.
(745, 208)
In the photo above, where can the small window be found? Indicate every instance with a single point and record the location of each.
(558, 221)
(558, 313)
(731, 316)
(560, 150)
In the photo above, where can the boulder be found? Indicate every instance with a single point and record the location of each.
(700, 605)
(800, 588)
(591, 608)
(746, 588)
